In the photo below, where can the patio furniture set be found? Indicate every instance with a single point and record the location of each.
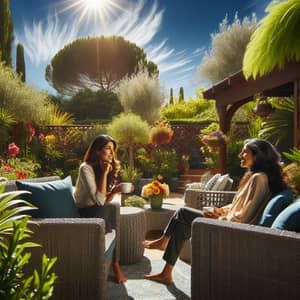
(229, 260)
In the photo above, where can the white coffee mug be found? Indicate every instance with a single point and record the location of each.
(126, 187)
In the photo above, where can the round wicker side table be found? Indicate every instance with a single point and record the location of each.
(132, 234)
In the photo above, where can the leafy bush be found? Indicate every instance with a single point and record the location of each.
(128, 129)
(135, 201)
(161, 163)
(140, 90)
(16, 168)
(227, 50)
(22, 101)
(129, 174)
(14, 236)
(93, 105)
(196, 109)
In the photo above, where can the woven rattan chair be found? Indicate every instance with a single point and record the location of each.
(199, 198)
(83, 250)
(241, 261)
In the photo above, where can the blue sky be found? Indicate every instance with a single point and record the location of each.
(174, 33)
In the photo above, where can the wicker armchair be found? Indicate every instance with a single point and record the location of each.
(241, 261)
(199, 198)
(83, 250)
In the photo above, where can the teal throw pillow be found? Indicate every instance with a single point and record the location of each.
(289, 218)
(275, 206)
(54, 199)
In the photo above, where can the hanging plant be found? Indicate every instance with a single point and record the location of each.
(161, 133)
(214, 139)
(263, 108)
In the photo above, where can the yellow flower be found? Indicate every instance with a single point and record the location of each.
(50, 139)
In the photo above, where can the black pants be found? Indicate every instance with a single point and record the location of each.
(97, 211)
(179, 230)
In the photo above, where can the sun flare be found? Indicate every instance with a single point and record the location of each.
(87, 10)
(96, 4)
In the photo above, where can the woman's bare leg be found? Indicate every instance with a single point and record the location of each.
(159, 244)
(118, 273)
(164, 277)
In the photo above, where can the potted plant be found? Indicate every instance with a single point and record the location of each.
(161, 133)
(154, 192)
(135, 201)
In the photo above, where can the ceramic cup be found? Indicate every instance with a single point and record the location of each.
(126, 187)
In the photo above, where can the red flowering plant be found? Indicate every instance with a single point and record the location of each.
(161, 133)
(14, 168)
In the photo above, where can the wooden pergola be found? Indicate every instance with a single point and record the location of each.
(235, 91)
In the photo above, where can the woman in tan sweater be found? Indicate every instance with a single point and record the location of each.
(262, 180)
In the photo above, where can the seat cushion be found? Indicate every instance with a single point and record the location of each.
(275, 206)
(221, 183)
(289, 218)
(211, 182)
(54, 199)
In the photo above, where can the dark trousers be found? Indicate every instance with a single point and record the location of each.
(179, 230)
(97, 211)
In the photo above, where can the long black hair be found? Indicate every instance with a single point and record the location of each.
(267, 160)
(92, 159)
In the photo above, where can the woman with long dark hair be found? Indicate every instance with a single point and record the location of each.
(97, 184)
(262, 180)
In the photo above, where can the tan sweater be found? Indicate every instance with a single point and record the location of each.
(249, 200)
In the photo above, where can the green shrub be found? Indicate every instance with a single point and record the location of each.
(129, 174)
(135, 201)
(22, 101)
(128, 129)
(142, 95)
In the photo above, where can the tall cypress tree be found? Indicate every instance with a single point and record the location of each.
(20, 62)
(171, 100)
(6, 32)
(181, 95)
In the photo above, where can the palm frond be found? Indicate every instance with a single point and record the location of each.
(58, 117)
(275, 42)
(293, 156)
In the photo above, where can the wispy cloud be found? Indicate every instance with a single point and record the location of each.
(42, 40)
(138, 23)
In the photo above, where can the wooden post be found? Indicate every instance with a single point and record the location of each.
(297, 113)
(224, 128)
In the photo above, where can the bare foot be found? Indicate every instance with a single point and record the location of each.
(159, 244)
(161, 277)
(118, 273)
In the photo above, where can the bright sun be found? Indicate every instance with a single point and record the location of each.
(96, 4)
(91, 9)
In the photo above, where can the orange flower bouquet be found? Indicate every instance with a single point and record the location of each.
(155, 192)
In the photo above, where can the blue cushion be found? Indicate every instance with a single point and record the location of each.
(54, 199)
(275, 206)
(289, 218)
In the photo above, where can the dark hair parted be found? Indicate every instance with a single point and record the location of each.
(267, 160)
(91, 157)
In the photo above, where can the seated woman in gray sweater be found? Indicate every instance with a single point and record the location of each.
(97, 184)
(262, 180)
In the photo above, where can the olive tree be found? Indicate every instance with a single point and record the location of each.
(142, 95)
(227, 50)
(129, 129)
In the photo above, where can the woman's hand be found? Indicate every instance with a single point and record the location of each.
(116, 189)
(107, 167)
(214, 214)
